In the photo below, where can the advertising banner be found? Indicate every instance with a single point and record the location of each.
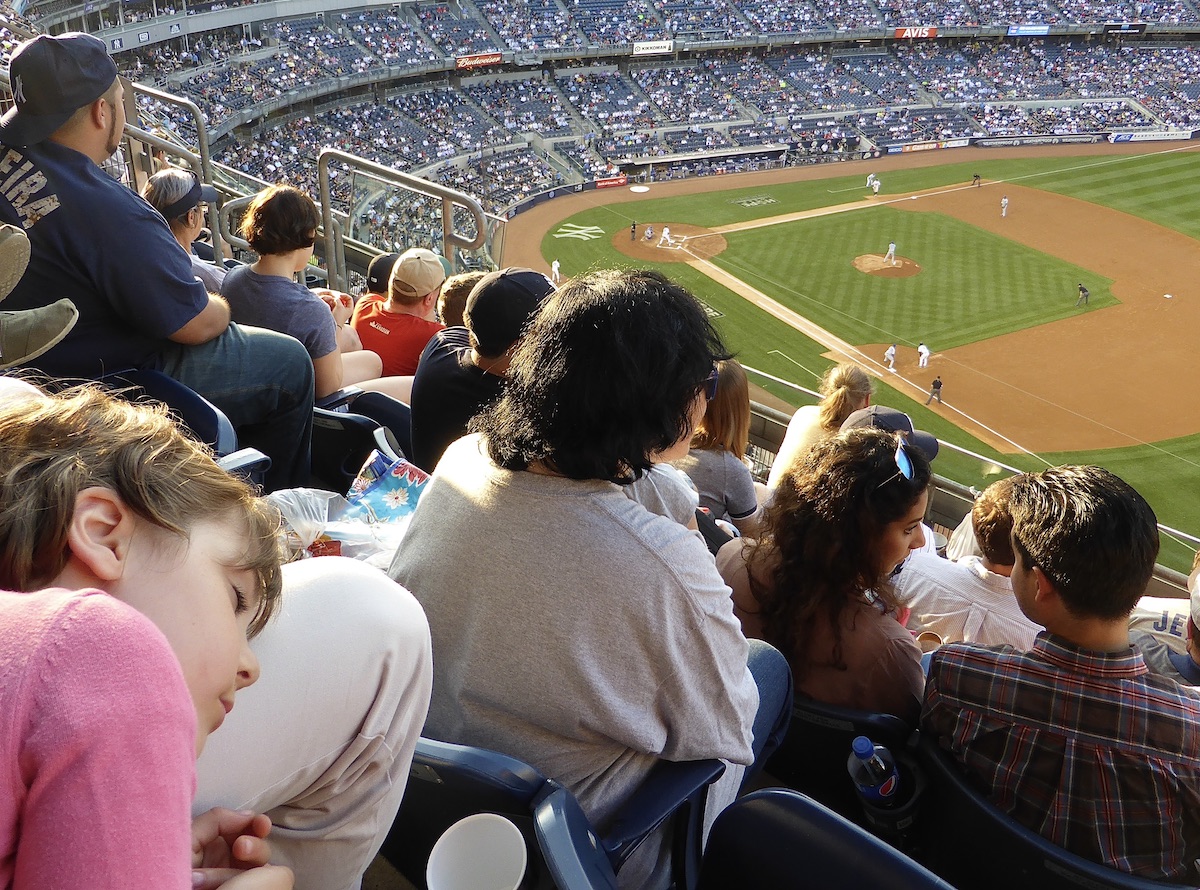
(478, 60)
(653, 47)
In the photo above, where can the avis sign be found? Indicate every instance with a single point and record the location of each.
(927, 33)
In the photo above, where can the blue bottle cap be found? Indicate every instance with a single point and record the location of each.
(863, 747)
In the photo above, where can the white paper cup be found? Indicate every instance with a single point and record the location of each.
(480, 852)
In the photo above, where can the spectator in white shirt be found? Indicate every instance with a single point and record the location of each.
(972, 599)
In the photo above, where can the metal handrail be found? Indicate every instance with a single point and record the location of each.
(449, 198)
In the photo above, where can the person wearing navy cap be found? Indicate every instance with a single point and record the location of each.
(97, 243)
(463, 368)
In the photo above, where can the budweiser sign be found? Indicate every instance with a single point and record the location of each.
(479, 60)
(916, 33)
(612, 181)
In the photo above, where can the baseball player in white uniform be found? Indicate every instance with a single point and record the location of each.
(1004, 207)
(870, 179)
(555, 277)
(923, 354)
(666, 237)
(875, 187)
(890, 256)
(890, 357)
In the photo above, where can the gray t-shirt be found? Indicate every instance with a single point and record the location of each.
(1157, 656)
(280, 304)
(576, 630)
(724, 482)
(212, 276)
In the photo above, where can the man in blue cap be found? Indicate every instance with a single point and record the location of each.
(95, 241)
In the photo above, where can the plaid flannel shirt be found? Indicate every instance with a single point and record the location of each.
(1087, 748)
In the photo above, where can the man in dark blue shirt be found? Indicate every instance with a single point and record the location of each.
(98, 243)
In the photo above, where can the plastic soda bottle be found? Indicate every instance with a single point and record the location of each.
(873, 771)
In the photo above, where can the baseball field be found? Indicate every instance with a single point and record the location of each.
(792, 264)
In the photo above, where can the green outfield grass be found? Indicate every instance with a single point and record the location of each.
(806, 265)
(973, 285)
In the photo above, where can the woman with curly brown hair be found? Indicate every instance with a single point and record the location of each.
(816, 585)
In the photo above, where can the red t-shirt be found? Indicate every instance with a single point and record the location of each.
(395, 337)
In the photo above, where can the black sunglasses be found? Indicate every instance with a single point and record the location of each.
(710, 384)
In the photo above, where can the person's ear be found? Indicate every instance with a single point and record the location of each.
(1045, 588)
(100, 532)
(101, 109)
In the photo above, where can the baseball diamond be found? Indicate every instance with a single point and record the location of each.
(1034, 380)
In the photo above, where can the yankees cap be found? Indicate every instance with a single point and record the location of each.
(52, 78)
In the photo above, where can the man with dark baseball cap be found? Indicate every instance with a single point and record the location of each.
(97, 243)
(463, 368)
(53, 77)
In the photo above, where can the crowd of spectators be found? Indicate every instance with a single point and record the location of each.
(616, 21)
(526, 106)
(531, 25)
(455, 36)
(734, 100)
(896, 126)
(821, 105)
(1059, 120)
(687, 95)
(390, 37)
(608, 99)
(702, 19)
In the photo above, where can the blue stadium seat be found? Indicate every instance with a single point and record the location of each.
(812, 758)
(772, 839)
(448, 782)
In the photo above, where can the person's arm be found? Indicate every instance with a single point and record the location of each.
(741, 498)
(748, 525)
(329, 374)
(209, 324)
(108, 755)
(348, 339)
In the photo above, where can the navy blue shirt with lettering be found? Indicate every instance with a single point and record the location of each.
(98, 243)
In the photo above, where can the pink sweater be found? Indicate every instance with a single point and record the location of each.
(97, 747)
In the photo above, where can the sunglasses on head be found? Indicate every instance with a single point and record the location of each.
(710, 384)
(904, 465)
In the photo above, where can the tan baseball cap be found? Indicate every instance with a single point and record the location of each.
(417, 272)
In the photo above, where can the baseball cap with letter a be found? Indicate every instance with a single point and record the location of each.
(52, 78)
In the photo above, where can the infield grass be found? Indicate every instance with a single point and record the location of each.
(806, 265)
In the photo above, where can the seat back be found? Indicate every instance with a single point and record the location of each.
(779, 838)
(450, 782)
(204, 419)
(812, 758)
(341, 443)
(972, 843)
(388, 412)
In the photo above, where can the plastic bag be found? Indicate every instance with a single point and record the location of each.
(306, 513)
(368, 524)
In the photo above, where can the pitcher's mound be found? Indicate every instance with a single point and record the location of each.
(875, 264)
(689, 243)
